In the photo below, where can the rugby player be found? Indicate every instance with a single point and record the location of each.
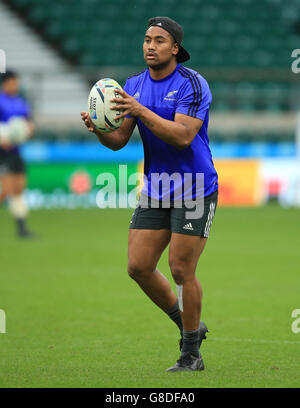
(170, 105)
(12, 166)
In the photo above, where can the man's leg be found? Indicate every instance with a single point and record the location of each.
(6, 183)
(184, 254)
(13, 185)
(144, 250)
(2, 192)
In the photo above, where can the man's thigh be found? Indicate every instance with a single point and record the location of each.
(19, 180)
(149, 234)
(146, 246)
(184, 252)
(7, 183)
(13, 183)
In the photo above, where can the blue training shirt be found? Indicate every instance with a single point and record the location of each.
(13, 106)
(183, 91)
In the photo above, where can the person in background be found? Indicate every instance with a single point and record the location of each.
(12, 166)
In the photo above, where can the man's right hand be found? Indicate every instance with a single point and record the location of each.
(88, 122)
(5, 145)
(4, 141)
(114, 140)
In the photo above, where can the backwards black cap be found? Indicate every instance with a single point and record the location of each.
(8, 75)
(175, 30)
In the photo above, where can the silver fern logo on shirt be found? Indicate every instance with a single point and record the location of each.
(170, 97)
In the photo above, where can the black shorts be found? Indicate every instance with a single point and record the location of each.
(11, 162)
(176, 219)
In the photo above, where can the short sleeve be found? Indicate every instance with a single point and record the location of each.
(126, 87)
(194, 97)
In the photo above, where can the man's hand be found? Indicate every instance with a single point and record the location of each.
(5, 145)
(127, 104)
(179, 132)
(88, 122)
(113, 140)
(4, 141)
(31, 128)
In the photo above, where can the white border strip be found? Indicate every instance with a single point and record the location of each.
(240, 340)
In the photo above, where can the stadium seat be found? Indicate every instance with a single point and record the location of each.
(224, 28)
(218, 33)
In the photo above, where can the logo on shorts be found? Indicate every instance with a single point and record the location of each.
(136, 95)
(188, 227)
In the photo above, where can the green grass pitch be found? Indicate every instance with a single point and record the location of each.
(75, 319)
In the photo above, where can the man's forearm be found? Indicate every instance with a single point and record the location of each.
(171, 132)
(110, 140)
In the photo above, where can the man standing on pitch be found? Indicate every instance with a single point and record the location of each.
(12, 166)
(170, 104)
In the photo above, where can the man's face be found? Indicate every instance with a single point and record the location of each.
(11, 86)
(159, 47)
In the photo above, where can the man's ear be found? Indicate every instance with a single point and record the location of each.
(175, 48)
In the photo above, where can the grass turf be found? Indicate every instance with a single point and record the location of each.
(75, 319)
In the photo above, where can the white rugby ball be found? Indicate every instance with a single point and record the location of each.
(99, 105)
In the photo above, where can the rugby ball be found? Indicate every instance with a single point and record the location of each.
(16, 131)
(99, 105)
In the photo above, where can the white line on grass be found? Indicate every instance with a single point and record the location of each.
(254, 340)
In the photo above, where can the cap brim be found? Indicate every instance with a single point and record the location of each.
(182, 55)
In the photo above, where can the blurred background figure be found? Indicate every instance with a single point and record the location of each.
(16, 127)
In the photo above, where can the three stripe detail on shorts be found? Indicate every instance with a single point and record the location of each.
(209, 219)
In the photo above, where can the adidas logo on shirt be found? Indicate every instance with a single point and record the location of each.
(188, 227)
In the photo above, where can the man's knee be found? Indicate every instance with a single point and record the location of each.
(181, 270)
(177, 270)
(19, 184)
(18, 190)
(137, 270)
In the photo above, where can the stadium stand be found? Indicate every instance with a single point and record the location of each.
(246, 33)
(243, 39)
(62, 89)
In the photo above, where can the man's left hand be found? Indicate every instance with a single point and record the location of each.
(127, 104)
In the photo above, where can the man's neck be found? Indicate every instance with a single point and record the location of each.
(8, 93)
(162, 73)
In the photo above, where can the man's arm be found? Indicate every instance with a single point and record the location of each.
(179, 133)
(31, 128)
(114, 140)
